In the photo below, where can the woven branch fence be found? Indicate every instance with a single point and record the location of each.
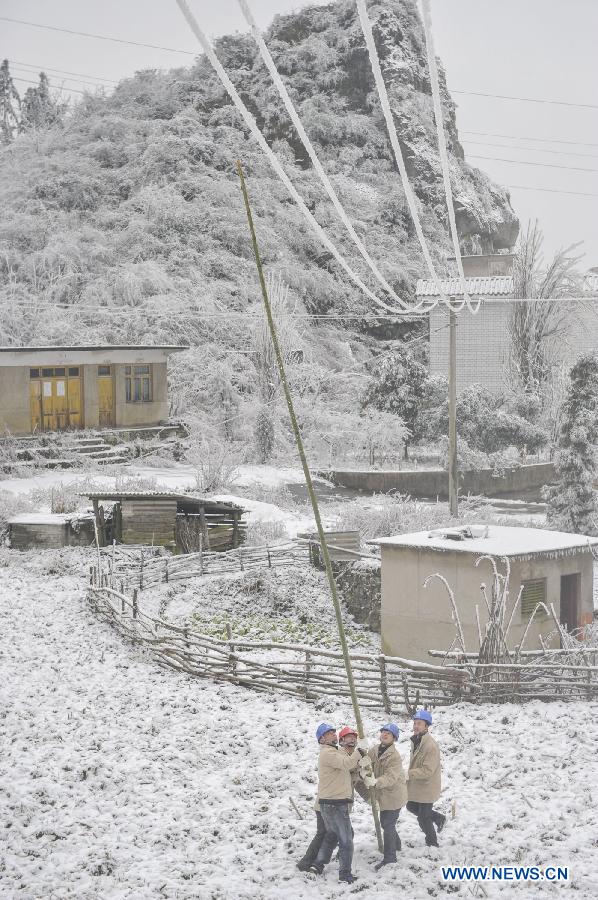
(141, 567)
(383, 682)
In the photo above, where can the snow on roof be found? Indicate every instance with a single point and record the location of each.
(493, 540)
(479, 286)
(159, 495)
(41, 518)
(94, 347)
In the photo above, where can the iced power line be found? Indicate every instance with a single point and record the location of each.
(366, 27)
(444, 160)
(275, 163)
(294, 116)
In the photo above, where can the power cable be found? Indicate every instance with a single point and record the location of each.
(526, 187)
(296, 120)
(275, 162)
(529, 149)
(521, 137)
(444, 161)
(366, 27)
(522, 162)
(527, 99)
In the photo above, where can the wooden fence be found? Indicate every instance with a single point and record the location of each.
(569, 673)
(383, 682)
(142, 567)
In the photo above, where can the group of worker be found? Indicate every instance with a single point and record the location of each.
(346, 764)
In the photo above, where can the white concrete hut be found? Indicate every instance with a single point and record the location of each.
(552, 567)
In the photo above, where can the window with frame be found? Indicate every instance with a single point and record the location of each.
(533, 592)
(138, 384)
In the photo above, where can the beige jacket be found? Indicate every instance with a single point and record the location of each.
(424, 771)
(334, 773)
(391, 788)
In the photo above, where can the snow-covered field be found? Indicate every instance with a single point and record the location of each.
(123, 780)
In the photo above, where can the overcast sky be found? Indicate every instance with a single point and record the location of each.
(526, 48)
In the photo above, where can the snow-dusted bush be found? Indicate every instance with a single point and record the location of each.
(11, 505)
(383, 515)
(266, 531)
(264, 436)
(215, 465)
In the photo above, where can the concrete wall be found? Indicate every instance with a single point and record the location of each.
(152, 413)
(417, 619)
(15, 412)
(434, 482)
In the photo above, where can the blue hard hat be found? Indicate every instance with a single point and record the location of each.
(394, 730)
(323, 729)
(424, 715)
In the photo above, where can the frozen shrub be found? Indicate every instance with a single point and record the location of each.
(11, 505)
(266, 532)
(215, 468)
(264, 436)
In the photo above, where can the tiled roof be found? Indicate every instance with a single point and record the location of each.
(480, 286)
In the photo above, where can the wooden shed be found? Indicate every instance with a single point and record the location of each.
(176, 520)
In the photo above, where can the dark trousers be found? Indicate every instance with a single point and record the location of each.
(426, 819)
(392, 842)
(312, 851)
(337, 823)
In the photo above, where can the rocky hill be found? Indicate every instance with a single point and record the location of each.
(132, 205)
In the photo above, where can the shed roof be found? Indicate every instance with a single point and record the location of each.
(501, 540)
(478, 286)
(78, 347)
(188, 499)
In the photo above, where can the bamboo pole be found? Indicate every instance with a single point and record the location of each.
(310, 487)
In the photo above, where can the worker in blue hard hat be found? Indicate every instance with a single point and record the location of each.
(385, 765)
(335, 796)
(347, 738)
(423, 786)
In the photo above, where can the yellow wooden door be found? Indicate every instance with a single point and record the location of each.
(106, 398)
(74, 402)
(59, 403)
(35, 404)
(49, 422)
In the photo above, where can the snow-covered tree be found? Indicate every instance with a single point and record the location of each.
(10, 105)
(572, 501)
(399, 386)
(264, 435)
(39, 109)
(536, 328)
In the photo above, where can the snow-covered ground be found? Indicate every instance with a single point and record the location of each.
(123, 780)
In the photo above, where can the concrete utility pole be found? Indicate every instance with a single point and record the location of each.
(453, 472)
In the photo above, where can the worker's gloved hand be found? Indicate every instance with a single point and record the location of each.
(365, 765)
(369, 780)
(363, 744)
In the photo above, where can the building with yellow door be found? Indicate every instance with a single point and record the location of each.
(62, 388)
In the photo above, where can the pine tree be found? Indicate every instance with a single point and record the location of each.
(39, 109)
(10, 106)
(572, 501)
